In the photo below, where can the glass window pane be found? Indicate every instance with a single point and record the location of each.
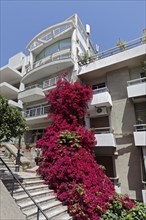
(65, 44)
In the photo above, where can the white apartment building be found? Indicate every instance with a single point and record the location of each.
(117, 111)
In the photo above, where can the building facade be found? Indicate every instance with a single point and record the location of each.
(117, 111)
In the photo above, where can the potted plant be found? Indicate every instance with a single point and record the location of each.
(121, 44)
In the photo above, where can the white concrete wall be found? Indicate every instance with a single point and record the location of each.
(136, 90)
(104, 140)
(8, 208)
(140, 138)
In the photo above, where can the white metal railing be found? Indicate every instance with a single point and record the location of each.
(36, 111)
(54, 57)
(33, 86)
(117, 49)
(136, 81)
(48, 36)
(102, 130)
(34, 44)
(100, 90)
(49, 82)
(140, 127)
(61, 29)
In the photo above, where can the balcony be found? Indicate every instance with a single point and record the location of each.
(31, 93)
(9, 75)
(101, 97)
(140, 135)
(47, 66)
(104, 137)
(9, 91)
(106, 61)
(37, 114)
(136, 88)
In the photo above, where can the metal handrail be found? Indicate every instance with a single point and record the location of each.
(39, 209)
(40, 109)
(128, 45)
(103, 129)
(54, 57)
(142, 127)
(136, 81)
(100, 90)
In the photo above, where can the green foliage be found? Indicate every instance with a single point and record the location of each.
(85, 58)
(117, 211)
(69, 139)
(11, 121)
(121, 44)
(137, 213)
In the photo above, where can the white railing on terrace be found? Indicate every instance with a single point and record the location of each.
(34, 112)
(61, 29)
(34, 44)
(140, 127)
(49, 59)
(49, 82)
(33, 86)
(136, 81)
(48, 36)
(102, 130)
(100, 90)
(117, 49)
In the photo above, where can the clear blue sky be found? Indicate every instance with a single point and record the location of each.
(109, 21)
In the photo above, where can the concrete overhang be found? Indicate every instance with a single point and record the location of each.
(8, 74)
(9, 91)
(131, 57)
(47, 69)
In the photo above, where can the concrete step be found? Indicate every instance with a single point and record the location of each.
(33, 183)
(41, 201)
(52, 209)
(24, 197)
(31, 189)
(63, 216)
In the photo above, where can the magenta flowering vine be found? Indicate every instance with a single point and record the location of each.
(67, 162)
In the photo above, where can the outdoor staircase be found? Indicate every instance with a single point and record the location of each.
(43, 196)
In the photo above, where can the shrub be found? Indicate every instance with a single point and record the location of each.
(67, 162)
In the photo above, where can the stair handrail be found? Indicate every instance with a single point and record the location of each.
(39, 209)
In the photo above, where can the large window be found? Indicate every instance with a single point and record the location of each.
(58, 46)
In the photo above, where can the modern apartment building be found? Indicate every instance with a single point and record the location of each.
(117, 111)
(52, 52)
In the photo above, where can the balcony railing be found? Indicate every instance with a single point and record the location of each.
(54, 57)
(100, 90)
(117, 49)
(102, 130)
(140, 127)
(136, 81)
(34, 112)
(49, 82)
(49, 35)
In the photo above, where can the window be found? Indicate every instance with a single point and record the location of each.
(140, 112)
(98, 86)
(58, 46)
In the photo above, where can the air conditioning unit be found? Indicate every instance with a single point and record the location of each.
(101, 111)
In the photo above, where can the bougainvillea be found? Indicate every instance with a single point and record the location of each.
(67, 162)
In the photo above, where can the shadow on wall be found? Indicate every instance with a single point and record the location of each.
(128, 152)
(128, 119)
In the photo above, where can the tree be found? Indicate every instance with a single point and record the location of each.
(11, 120)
